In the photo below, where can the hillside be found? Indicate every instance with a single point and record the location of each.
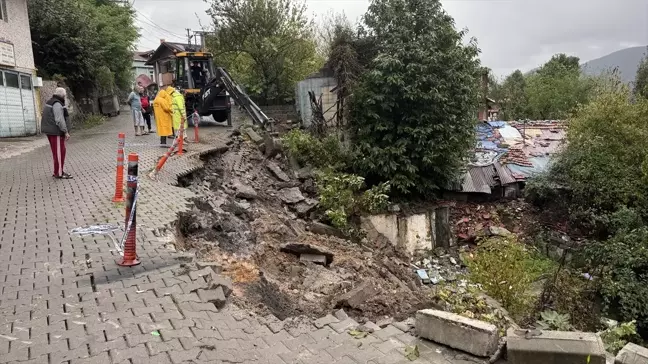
(626, 59)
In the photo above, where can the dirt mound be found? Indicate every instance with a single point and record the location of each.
(250, 207)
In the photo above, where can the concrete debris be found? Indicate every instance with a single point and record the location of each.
(357, 297)
(215, 267)
(317, 227)
(369, 327)
(254, 136)
(307, 249)
(291, 195)
(313, 258)
(220, 281)
(472, 336)
(422, 273)
(215, 296)
(554, 347)
(499, 231)
(277, 172)
(245, 191)
(341, 315)
(303, 208)
(326, 320)
(632, 354)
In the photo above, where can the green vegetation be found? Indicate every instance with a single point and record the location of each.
(88, 43)
(506, 269)
(321, 153)
(345, 195)
(552, 320)
(641, 80)
(400, 131)
(267, 45)
(617, 336)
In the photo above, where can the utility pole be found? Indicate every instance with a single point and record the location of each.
(203, 39)
(189, 36)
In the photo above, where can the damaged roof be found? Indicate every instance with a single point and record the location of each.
(510, 152)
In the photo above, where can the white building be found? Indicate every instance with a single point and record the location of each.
(18, 115)
(140, 67)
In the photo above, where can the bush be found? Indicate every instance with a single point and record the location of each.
(505, 269)
(323, 153)
(618, 335)
(344, 195)
(570, 293)
(621, 264)
(552, 320)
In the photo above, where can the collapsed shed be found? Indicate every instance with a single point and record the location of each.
(506, 155)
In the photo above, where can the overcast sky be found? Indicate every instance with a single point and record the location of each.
(511, 33)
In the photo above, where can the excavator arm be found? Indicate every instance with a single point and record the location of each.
(223, 81)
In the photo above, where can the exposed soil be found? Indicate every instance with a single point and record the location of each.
(251, 206)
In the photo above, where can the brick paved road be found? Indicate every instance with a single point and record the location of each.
(65, 300)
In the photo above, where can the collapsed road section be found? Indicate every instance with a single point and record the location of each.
(255, 220)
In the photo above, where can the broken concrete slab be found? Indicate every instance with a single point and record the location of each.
(341, 315)
(273, 146)
(313, 258)
(225, 282)
(554, 347)
(291, 195)
(326, 320)
(319, 228)
(277, 172)
(304, 207)
(358, 295)
(632, 354)
(215, 296)
(342, 326)
(216, 267)
(245, 191)
(369, 327)
(472, 336)
(299, 249)
(254, 136)
(196, 274)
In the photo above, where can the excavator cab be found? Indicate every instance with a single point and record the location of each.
(193, 73)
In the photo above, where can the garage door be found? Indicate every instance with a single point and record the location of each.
(29, 110)
(12, 121)
(17, 110)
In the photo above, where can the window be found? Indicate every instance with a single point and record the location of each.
(25, 82)
(3, 10)
(1, 79)
(12, 79)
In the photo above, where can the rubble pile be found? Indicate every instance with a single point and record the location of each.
(257, 219)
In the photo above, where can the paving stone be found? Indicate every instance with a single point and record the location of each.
(343, 326)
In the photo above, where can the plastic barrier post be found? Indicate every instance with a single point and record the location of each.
(181, 136)
(196, 121)
(119, 180)
(130, 246)
(164, 158)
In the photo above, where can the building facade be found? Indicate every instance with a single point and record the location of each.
(140, 67)
(18, 116)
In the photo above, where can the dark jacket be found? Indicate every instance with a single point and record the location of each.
(55, 117)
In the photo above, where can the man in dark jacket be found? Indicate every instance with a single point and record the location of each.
(55, 124)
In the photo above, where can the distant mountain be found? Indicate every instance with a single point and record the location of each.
(627, 60)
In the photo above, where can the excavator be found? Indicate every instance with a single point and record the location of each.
(209, 90)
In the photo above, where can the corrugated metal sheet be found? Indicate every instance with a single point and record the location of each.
(320, 86)
(504, 174)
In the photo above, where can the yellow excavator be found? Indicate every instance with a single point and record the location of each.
(210, 90)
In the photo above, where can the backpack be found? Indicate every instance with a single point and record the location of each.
(146, 104)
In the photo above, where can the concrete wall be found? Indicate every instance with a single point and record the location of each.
(15, 30)
(414, 233)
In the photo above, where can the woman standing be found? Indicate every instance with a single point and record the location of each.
(136, 109)
(147, 109)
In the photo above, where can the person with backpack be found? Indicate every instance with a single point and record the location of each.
(55, 124)
(147, 109)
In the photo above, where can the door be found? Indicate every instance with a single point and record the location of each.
(12, 123)
(29, 109)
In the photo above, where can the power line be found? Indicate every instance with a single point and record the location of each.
(152, 23)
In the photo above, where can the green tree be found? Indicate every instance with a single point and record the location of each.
(269, 45)
(414, 109)
(515, 102)
(641, 80)
(89, 43)
(557, 88)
